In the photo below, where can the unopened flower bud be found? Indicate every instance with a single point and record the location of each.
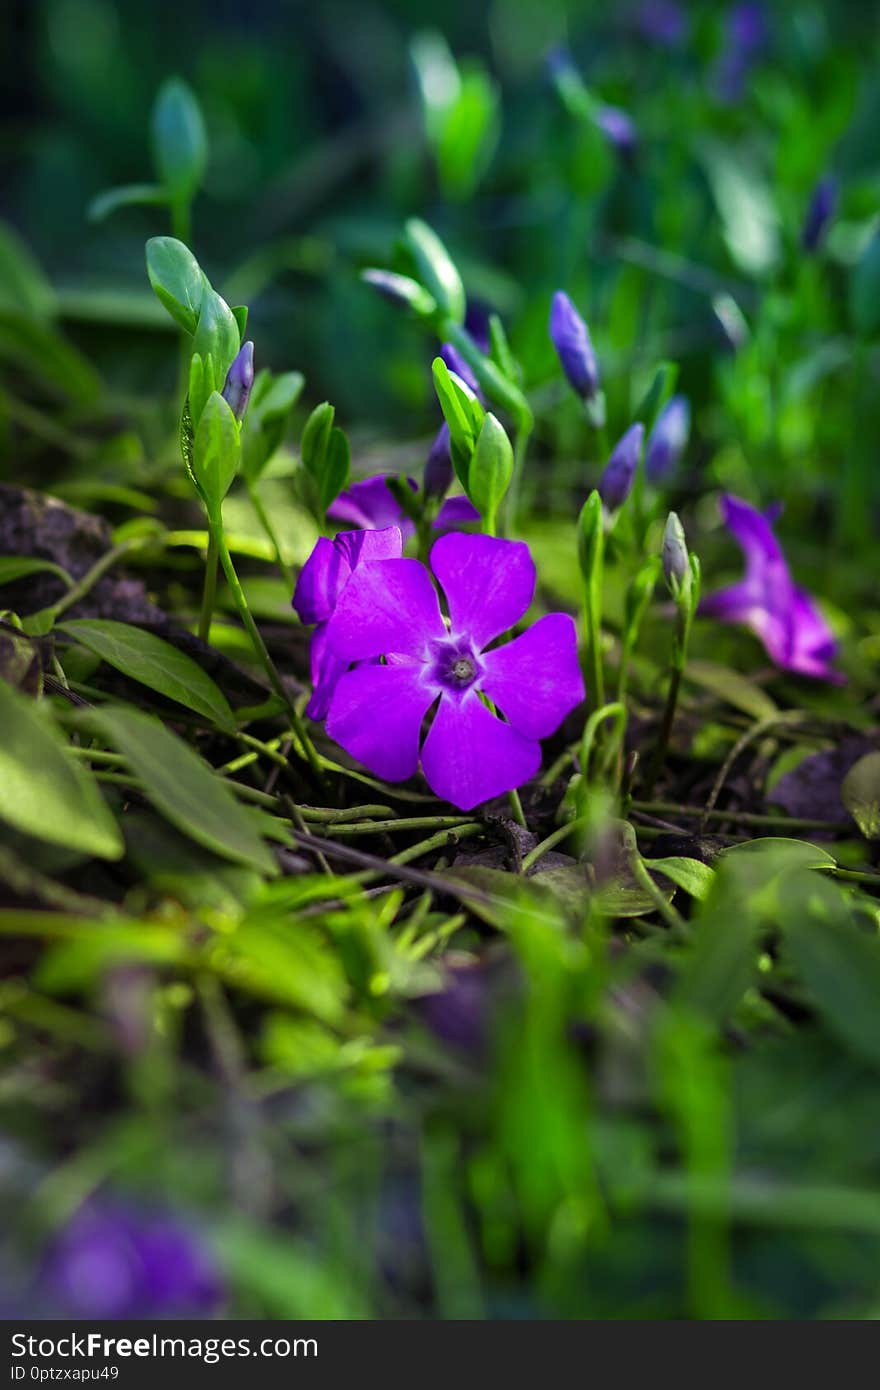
(617, 479)
(820, 211)
(574, 348)
(438, 469)
(457, 364)
(674, 554)
(239, 380)
(668, 439)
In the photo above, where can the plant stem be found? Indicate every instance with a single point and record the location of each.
(367, 827)
(780, 822)
(88, 581)
(665, 729)
(262, 650)
(516, 808)
(209, 592)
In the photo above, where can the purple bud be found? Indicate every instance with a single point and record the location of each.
(571, 339)
(456, 363)
(616, 481)
(476, 321)
(618, 128)
(239, 380)
(822, 206)
(674, 554)
(438, 469)
(668, 439)
(559, 61)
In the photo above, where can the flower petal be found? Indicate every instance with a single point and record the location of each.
(536, 679)
(359, 547)
(813, 644)
(455, 512)
(376, 715)
(320, 582)
(370, 505)
(326, 668)
(470, 755)
(752, 531)
(488, 583)
(387, 606)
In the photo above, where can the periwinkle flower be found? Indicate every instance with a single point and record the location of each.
(322, 580)
(239, 380)
(615, 484)
(116, 1261)
(439, 470)
(574, 347)
(668, 439)
(820, 211)
(767, 600)
(372, 505)
(390, 610)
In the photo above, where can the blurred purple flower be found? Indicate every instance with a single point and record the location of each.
(476, 321)
(239, 380)
(321, 581)
(617, 479)
(390, 609)
(574, 348)
(820, 211)
(371, 504)
(115, 1261)
(618, 128)
(662, 21)
(668, 439)
(768, 601)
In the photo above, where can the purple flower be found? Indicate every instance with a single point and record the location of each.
(390, 609)
(820, 211)
(618, 128)
(322, 579)
(113, 1261)
(371, 505)
(668, 439)
(768, 601)
(239, 380)
(745, 34)
(617, 479)
(574, 348)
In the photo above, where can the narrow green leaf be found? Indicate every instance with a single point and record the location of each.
(337, 466)
(216, 450)
(860, 794)
(153, 662)
(730, 686)
(182, 787)
(491, 470)
(43, 791)
(126, 196)
(216, 337)
(14, 567)
(436, 268)
(691, 875)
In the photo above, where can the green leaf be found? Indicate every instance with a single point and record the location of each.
(126, 196)
(838, 962)
(180, 144)
(316, 439)
(403, 290)
(14, 567)
(787, 853)
(435, 268)
(459, 406)
(216, 337)
(730, 686)
(860, 794)
(43, 790)
(692, 875)
(490, 470)
(216, 451)
(177, 279)
(146, 658)
(272, 401)
(337, 466)
(24, 287)
(182, 787)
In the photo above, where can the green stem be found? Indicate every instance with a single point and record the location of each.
(262, 651)
(209, 592)
(671, 916)
(516, 809)
(672, 808)
(555, 838)
(263, 518)
(524, 428)
(88, 581)
(389, 827)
